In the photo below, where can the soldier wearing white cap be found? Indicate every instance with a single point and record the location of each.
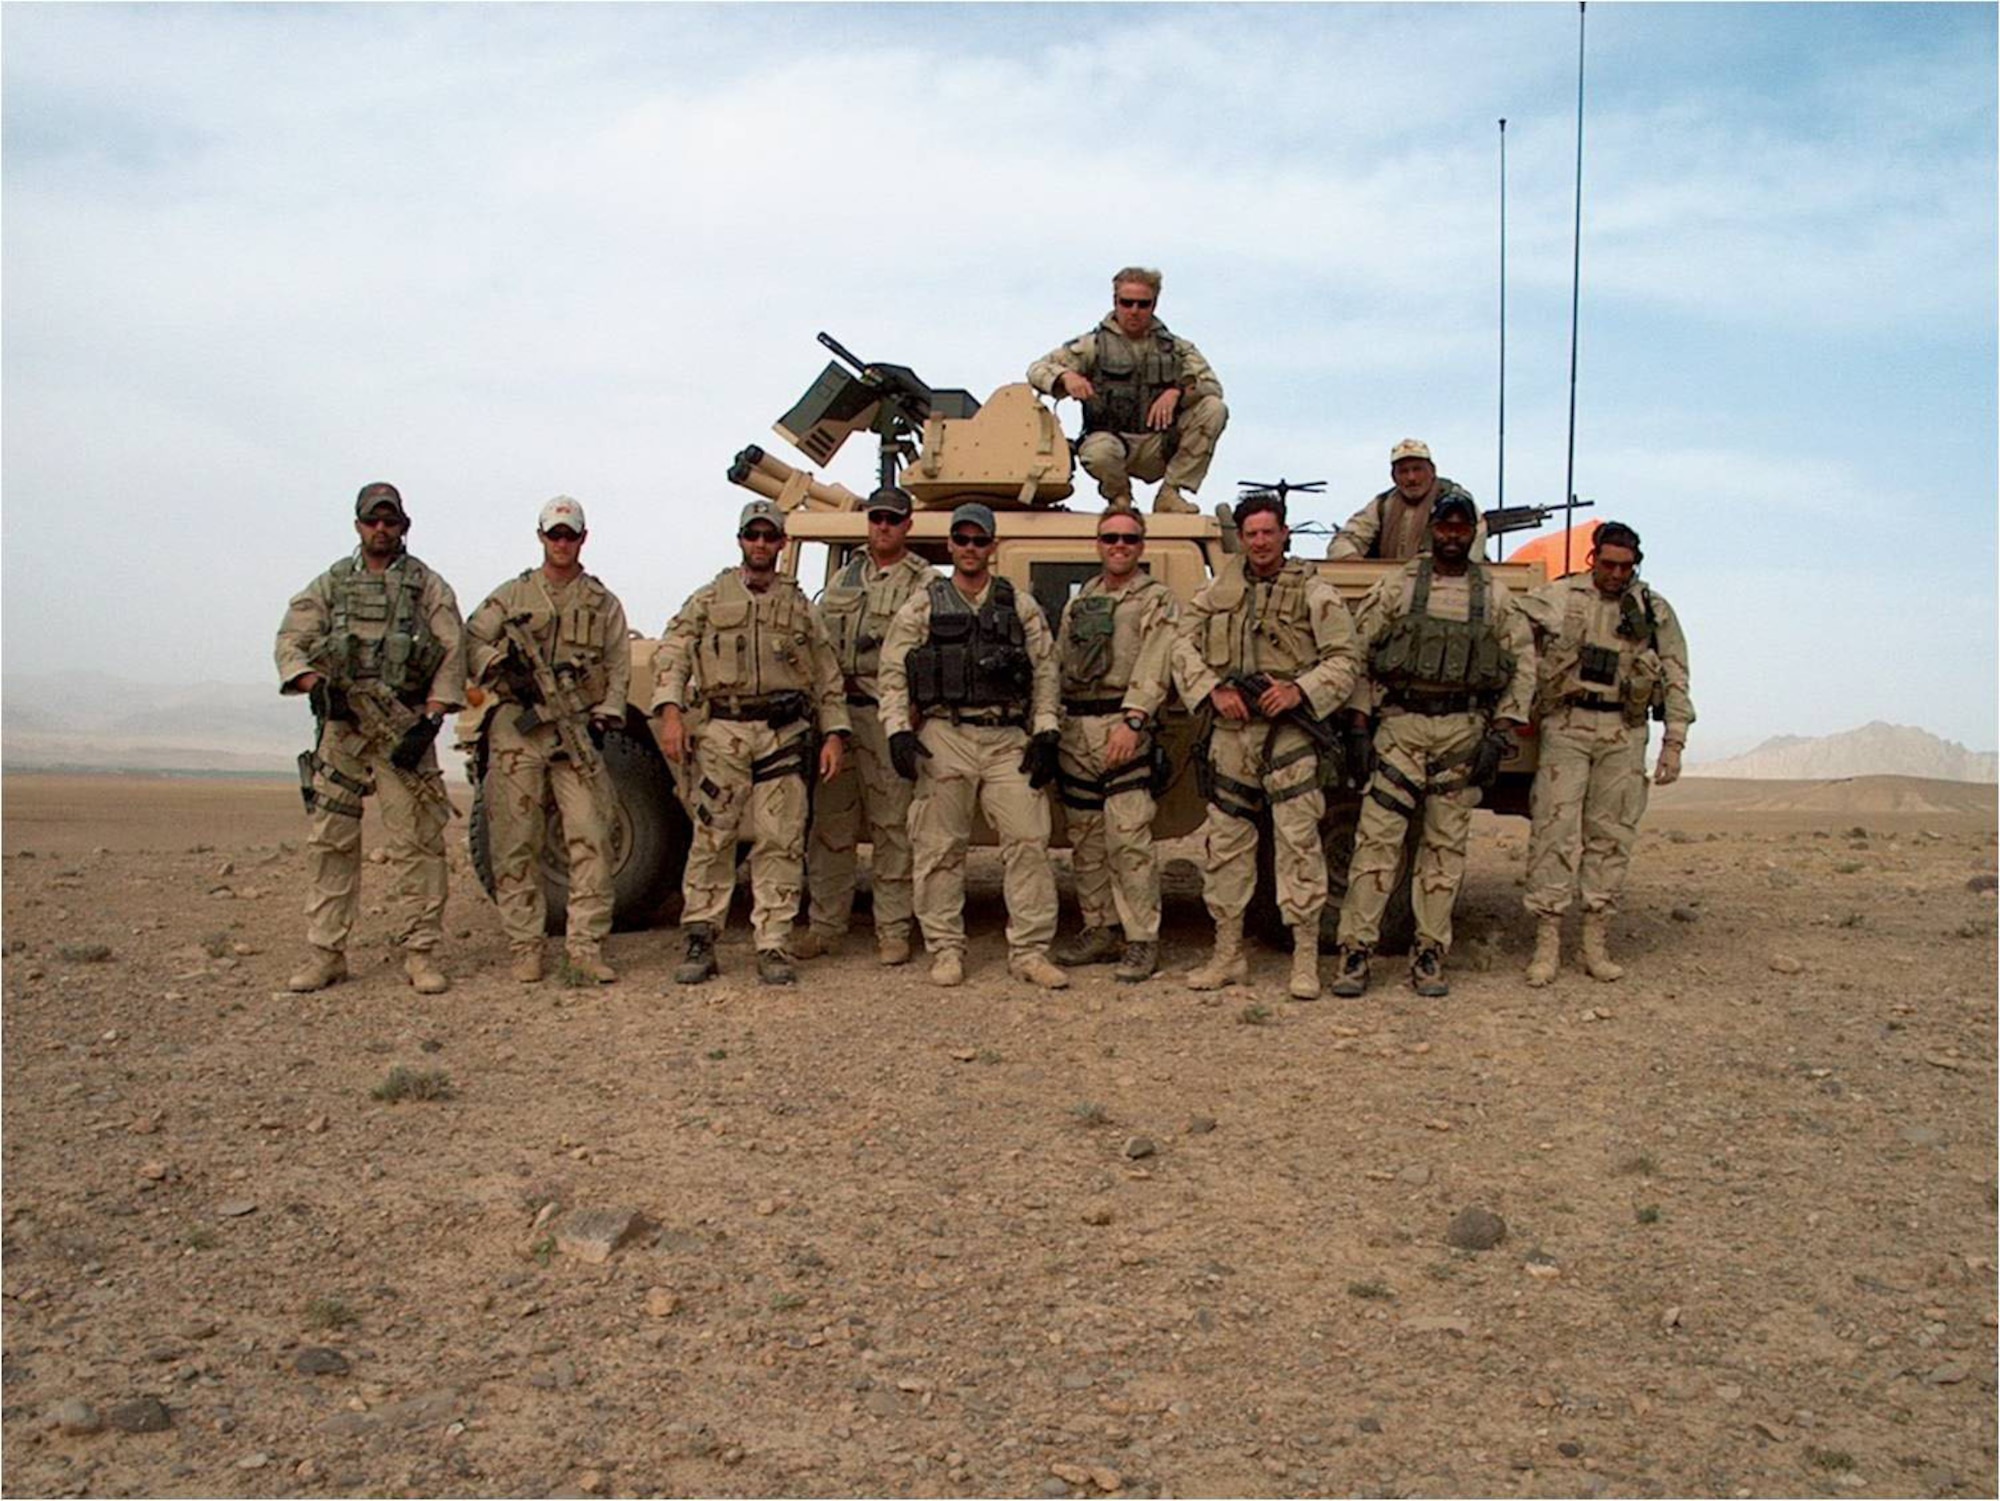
(1397, 523)
(743, 678)
(971, 699)
(549, 649)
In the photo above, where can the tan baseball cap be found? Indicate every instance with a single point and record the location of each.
(1410, 448)
(760, 510)
(562, 511)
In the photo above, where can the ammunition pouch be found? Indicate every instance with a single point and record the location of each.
(1599, 665)
(969, 659)
(1087, 638)
(1426, 652)
(1129, 378)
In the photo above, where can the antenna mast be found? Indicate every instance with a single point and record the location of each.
(1500, 478)
(1575, 286)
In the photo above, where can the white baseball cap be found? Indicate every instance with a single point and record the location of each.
(562, 511)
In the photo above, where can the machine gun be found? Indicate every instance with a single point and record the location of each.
(851, 395)
(1526, 518)
(377, 714)
(550, 696)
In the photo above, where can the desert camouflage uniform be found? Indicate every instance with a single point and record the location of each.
(1392, 527)
(1430, 751)
(1590, 784)
(975, 763)
(1295, 626)
(579, 629)
(349, 599)
(1107, 674)
(867, 799)
(1179, 456)
(733, 660)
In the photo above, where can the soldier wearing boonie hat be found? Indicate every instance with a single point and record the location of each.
(971, 700)
(1396, 523)
(573, 628)
(743, 678)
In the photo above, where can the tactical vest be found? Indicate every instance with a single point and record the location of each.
(857, 611)
(379, 628)
(972, 659)
(1278, 637)
(1091, 660)
(572, 640)
(1428, 653)
(753, 644)
(1628, 673)
(1129, 378)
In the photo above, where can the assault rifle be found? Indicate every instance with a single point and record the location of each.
(378, 715)
(550, 696)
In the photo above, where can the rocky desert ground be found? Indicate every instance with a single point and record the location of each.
(860, 1237)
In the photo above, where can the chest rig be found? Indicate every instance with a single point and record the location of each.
(1129, 378)
(378, 627)
(972, 659)
(1424, 656)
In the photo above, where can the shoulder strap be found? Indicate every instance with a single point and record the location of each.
(1420, 596)
(1476, 584)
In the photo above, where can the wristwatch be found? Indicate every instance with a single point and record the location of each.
(1134, 720)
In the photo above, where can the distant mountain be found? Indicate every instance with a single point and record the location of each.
(1876, 749)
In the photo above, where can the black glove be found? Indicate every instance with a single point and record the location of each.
(329, 702)
(519, 680)
(409, 752)
(1493, 749)
(1357, 750)
(1042, 759)
(904, 750)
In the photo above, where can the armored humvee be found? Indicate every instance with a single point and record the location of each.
(945, 448)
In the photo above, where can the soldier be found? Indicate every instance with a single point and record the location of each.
(1612, 652)
(869, 800)
(1396, 523)
(746, 661)
(550, 647)
(1269, 646)
(1451, 673)
(972, 658)
(375, 641)
(1152, 407)
(1116, 652)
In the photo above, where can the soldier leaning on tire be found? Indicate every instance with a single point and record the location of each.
(1268, 647)
(1115, 649)
(1613, 653)
(549, 646)
(743, 674)
(868, 799)
(972, 659)
(376, 643)
(1451, 673)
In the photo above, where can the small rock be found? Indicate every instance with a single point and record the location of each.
(1369, 1425)
(317, 1125)
(662, 1303)
(153, 1172)
(1569, 1449)
(253, 1461)
(1948, 1374)
(1729, 1391)
(1671, 1318)
(306, 1469)
(318, 1360)
(1984, 881)
(1097, 1214)
(1923, 1136)
(1105, 1478)
(1200, 1125)
(144, 1415)
(235, 1209)
(1475, 1229)
(1685, 914)
(1438, 1324)
(1137, 1147)
(1786, 964)
(75, 1416)
(591, 1482)
(1073, 1474)
(591, 1235)
(1417, 1174)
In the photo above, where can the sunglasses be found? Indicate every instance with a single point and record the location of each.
(561, 534)
(388, 521)
(971, 539)
(761, 534)
(1121, 539)
(1135, 302)
(886, 518)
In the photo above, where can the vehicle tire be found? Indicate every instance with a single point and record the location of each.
(649, 836)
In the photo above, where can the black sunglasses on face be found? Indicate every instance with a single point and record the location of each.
(970, 539)
(886, 518)
(760, 534)
(1135, 302)
(1127, 539)
(388, 521)
(561, 534)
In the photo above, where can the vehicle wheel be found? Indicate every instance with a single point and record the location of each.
(649, 837)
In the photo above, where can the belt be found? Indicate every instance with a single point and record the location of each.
(777, 709)
(862, 701)
(1592, 701)
(983, 718)
(1086, 707)
(1435, 705)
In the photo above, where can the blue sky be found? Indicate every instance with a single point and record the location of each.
(256, 255)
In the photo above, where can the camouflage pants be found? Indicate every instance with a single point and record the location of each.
(728, 804)
(524, 772)
(867, 800)
(1418, 746)
(412, 823)
(1589, 795)
(975, 768)
(1114, 460)
(1229, 841)
(1117, 871)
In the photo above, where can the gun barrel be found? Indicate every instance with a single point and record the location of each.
(842, 352)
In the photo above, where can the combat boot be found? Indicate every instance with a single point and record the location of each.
(1139, 963)
(1036, 970)
(1350, 972)
(1548, 952)
(1304, 984)
(815, 941)
(948, 967)
(527, 963)
(1427, 973)
(774, 967)
(1122, 501)
(326, 967)
(1597, 960)
(1226, 966)
(587, 959)
(700, 962)
(1091, 946)
(1169, 501)
(892, 949)
(424, 974)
